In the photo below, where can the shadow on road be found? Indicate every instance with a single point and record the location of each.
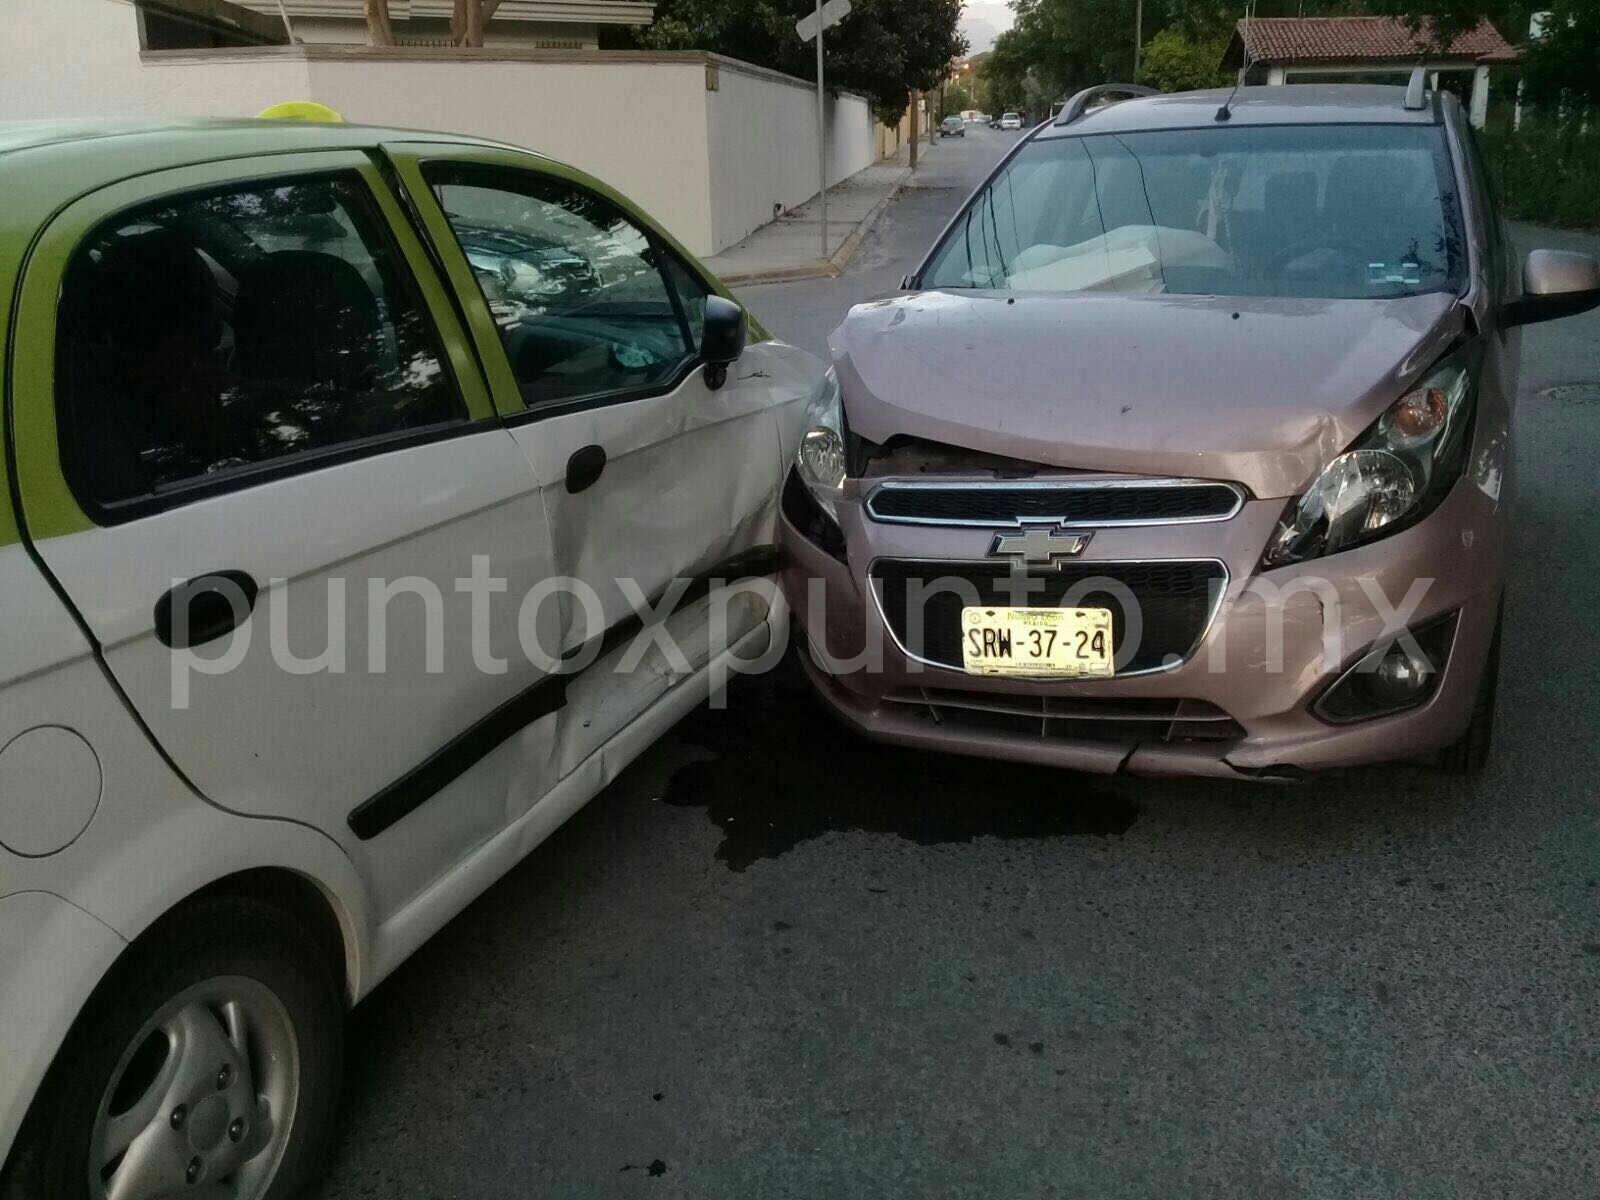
(783, 771)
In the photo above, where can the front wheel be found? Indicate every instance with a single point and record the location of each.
(207, 1064)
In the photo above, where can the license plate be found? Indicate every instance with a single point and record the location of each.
(1037, 641)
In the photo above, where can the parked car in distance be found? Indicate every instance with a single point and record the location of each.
(952, 126)
(336, 379)
(1187, 449)
(1010, 120)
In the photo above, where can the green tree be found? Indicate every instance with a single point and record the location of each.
(885, 49)
(1564, 66)
(954, 98)
(1058, 46)
(1062, 45)
(1175, 62)
(1004, 70)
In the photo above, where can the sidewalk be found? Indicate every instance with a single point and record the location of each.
(790, 247)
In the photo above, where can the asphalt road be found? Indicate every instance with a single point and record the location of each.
(775, 961)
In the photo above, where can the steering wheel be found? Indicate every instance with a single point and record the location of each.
(1347, 250)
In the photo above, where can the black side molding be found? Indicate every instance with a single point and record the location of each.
(447, 764)
(747, 564)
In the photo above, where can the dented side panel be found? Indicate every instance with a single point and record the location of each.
(691, 479)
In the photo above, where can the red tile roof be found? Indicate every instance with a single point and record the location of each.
(1346, 39)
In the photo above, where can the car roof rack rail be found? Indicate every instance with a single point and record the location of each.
(1417, 88)
(1074, 108)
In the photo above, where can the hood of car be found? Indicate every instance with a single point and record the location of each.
(1260, 391)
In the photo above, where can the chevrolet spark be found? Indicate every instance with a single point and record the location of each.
(370, 499)
(1187, 448)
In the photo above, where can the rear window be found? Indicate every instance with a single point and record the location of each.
(1332, 211)
(206, 336)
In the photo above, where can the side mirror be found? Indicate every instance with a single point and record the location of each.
(1555, 283)
(722, 342)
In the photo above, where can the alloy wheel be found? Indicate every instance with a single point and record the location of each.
(202, 1100)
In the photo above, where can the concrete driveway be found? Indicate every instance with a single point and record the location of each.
(776, 961)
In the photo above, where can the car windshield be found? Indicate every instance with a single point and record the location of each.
(1327, 211)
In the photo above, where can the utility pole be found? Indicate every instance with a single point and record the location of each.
(916, 99)
(822, 137)
(1138, 36)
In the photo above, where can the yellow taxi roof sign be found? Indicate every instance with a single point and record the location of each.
(300, 110)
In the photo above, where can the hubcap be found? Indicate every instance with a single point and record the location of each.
(201, 1103)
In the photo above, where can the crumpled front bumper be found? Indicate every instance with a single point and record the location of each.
(1328, 613)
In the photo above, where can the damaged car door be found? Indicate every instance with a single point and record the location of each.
(661, 470)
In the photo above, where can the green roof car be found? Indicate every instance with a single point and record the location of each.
(371, 498)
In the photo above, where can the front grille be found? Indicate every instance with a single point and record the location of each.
(1089, 502)
(1174, 598)
(1113, 719)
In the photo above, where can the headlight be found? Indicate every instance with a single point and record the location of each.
(1395, 473)
(528, 280)
(821, 458)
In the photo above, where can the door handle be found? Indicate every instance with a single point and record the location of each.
(584, 467)
(212, 606)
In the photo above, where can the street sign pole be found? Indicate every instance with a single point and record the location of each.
(827, 15)
(822, 137)
(1138, 35)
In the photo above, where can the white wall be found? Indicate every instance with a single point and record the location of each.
(636, 125)
(761, 130)
(852, 140)
(80, 58)
(709, 165)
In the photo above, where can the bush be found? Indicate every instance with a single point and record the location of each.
(1547, 172)
(1174, 63)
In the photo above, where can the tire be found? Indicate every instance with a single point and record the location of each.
(1469, 754)
(207, 1114)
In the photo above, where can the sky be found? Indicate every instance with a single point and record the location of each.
(982, 21)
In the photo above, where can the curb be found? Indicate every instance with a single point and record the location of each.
(823, 268)
(847, 248)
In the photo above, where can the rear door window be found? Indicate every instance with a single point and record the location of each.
(206, 337)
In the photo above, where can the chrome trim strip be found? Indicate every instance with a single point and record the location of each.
(1205, 631)
(1073, 484)
(981, 702)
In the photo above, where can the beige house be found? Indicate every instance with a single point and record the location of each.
(529, 24)
(1276, 50)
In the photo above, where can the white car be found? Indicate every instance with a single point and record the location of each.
(330, 593)
(1010, 120)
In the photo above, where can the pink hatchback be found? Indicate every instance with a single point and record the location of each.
(1186, 450)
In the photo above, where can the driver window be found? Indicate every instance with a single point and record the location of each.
(577, 290)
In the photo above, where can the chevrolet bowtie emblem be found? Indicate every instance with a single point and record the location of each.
(1038, 545)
